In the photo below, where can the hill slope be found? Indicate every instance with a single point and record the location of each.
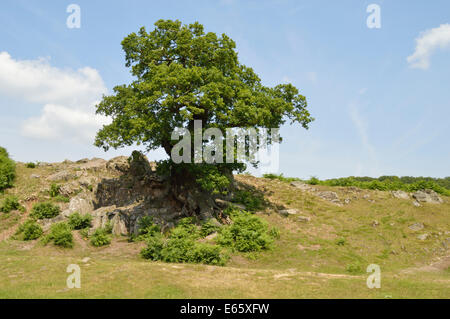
(328, 237)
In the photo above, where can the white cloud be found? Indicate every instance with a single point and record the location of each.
(427, 43)
(67, 97)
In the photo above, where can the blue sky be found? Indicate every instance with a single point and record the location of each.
(376, 112)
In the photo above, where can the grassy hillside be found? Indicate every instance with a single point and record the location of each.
(322, 252)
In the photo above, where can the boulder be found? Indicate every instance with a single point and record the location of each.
(400, 194)
(423, 236)
(416, 203)
(416, 227)
(304, 219)
(329, 196)
(95, 164)
(287, 212)
(118, 164)
(301, 185)
(427, 196)
(81, 204)
(61, 176)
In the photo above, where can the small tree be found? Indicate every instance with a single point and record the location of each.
(182, 75)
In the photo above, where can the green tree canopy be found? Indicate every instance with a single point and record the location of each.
(184, 74)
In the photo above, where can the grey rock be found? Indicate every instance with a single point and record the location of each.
(81, 204)
(416, 226)
(60, 176)
(423, 236)
(119, 164)
(301, 185)
(416, 203)
(427, 196)
(288, 212)
(35, 176)
(304, 219)
(400, 194)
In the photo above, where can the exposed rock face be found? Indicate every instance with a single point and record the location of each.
(60, 176)
(427, 196)
(400, 194)
(329, 196)
(302, 186)
(119, 164)
(81, 204)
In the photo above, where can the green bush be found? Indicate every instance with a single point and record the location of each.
(9, 203)
(147, 228)
(100, 237)
(208, 228)
(7, 170)
(181, 246)
(280, 177)
(250, 200)
(61, 235)
(354, 268)
(340, 241)
(78, 221)
(154, 248)
(207, 254)
(54, 190)
(30, 165)
(247, 233)
(44, 210)
(30, 230)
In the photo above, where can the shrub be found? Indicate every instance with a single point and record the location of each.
(9, 203)
(181, 246)
(54, 190)
(208, 228)
(147, 228)
(61, 235)
(44, 210)
(280, 177)
(100, 237)
(340, 241)
(354, 268)
(247, 233)
(313, 181)
(30, 165)
(84, 233)
(78, 221)
(252, 201)
(30, 230)
(7, 170)
(154, 248)
(207, 254)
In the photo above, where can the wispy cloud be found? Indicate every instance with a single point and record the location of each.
(428, 42)
(67, 97)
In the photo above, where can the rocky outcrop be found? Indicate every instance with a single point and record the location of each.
(61, 176)
(400, 194)
(427, 196)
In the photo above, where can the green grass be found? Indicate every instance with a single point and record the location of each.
(323, 258)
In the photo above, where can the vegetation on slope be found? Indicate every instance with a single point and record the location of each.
(383, 183)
